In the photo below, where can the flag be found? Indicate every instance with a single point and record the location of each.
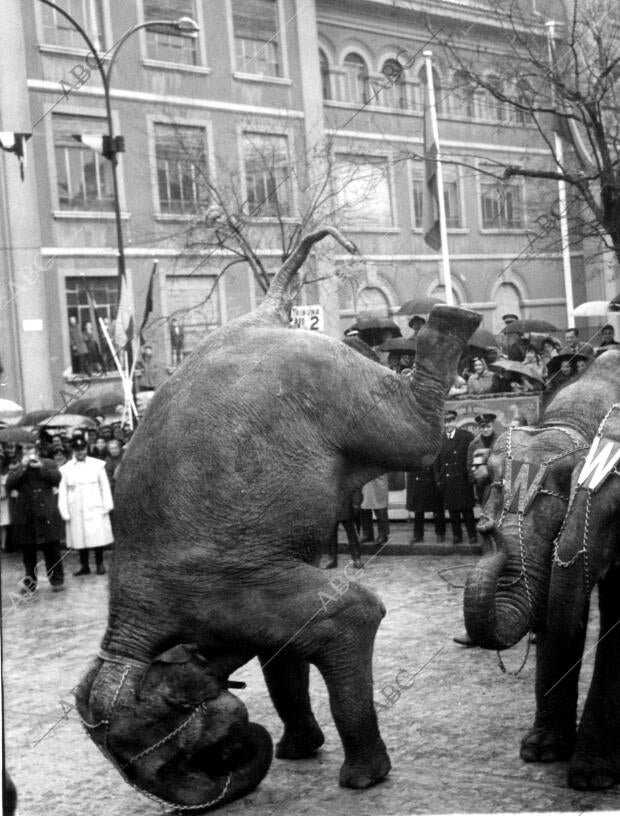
(148, 304)
(430, 189)
(108, 146)
(124, 324)
(15, 143)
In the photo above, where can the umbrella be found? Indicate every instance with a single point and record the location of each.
(17, 435)
(67, 421)
(34, 417)
(372, 329)
(103, 403)
(529, 325)
(403, 345)
(614, 304)
(482, 339)
(10, 412)
(515, 367)
(420, 305)
(565, 354)
(593, 308)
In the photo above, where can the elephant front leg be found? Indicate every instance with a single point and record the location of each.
(287, 680)
(552, 737)
(596, 761)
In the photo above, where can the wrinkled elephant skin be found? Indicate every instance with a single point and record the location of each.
(514, 587)
(231, 486)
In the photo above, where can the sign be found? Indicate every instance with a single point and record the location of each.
(32, 325)
(307, 317)
(599, 463)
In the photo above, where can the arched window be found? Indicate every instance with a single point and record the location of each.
(325, 75)
(439, 291)
(373, 300)
(507, 301)
(355, 79)
(492, 108)
(439, 94)
(395, 94)
(463, 95)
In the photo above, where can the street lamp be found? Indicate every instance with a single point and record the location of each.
(112, 145)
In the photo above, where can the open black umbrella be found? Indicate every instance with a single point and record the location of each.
(34, 417)
(553, 366)
(515, 367)
(67, 421)
(103, 403)
(483, 339)
(17, 435)
(420, 305)
(529, 325)
(402, 345)
(372, 330)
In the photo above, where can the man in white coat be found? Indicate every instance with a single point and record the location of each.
(85, 501)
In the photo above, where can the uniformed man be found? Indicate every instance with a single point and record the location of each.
(453, 479)
(483, 441)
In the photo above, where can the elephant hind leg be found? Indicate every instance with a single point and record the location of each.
(287, 680)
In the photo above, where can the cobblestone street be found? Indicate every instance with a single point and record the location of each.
(453, 736)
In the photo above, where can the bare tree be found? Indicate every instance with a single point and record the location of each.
(560, 76)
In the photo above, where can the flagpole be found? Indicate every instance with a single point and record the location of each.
(559, 160)
(128, 397)
(443, 232)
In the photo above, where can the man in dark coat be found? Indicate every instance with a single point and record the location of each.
(177, 341)
(453, 479)
(37, 521)
(484, 440)
(423, 496)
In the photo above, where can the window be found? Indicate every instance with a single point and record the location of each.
(325, 76)
(463, 95)
(363, 190)
(491, 108)
(104, 291)
(84, 177)
(395, 96)
(166, 44)
(501, 204)
(451, 197)
(255, 24)
(57, 30)
(355, 80)
(267, 175)
(182, 169)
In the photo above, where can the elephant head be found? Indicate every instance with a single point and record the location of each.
(173, 729)
(506, 593)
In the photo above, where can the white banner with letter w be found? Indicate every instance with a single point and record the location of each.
(600, 461)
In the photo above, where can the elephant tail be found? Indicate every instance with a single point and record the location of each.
(173, 730)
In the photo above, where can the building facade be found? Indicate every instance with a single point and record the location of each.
(282, 112)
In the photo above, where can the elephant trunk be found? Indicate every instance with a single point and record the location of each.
(496, 618)
(173, 732)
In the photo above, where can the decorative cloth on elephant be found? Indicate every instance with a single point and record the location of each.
(85, 501)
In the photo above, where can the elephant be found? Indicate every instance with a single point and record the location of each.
(587, 555)
(216, 557)
(507, 593)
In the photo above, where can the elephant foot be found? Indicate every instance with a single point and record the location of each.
(363, 775)
(592, 772)
(547, 745)
(300, 743)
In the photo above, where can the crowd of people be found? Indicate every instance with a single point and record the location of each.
(56, 495)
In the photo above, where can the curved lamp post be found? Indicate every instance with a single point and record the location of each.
(112, 145)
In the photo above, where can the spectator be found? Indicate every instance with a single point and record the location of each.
(375, 498)
(573, 343)
(509, 318)
(481, 380)
(94, 360)
(522, 384)
(533, 362)
(100, 448)
(151, 374)
(517, 349)
(78, 348)
(423, 496)
(112, 462)
(608, 336)
(107, 357)
(483, 441)
(415, 324)
(453, 479)
(35, 515)
(177, 341)
(458, 387)
(549, 350)
(85, 502)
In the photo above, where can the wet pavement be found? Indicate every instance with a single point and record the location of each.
(453, 735)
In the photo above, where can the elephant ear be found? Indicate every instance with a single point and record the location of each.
(181, 676)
